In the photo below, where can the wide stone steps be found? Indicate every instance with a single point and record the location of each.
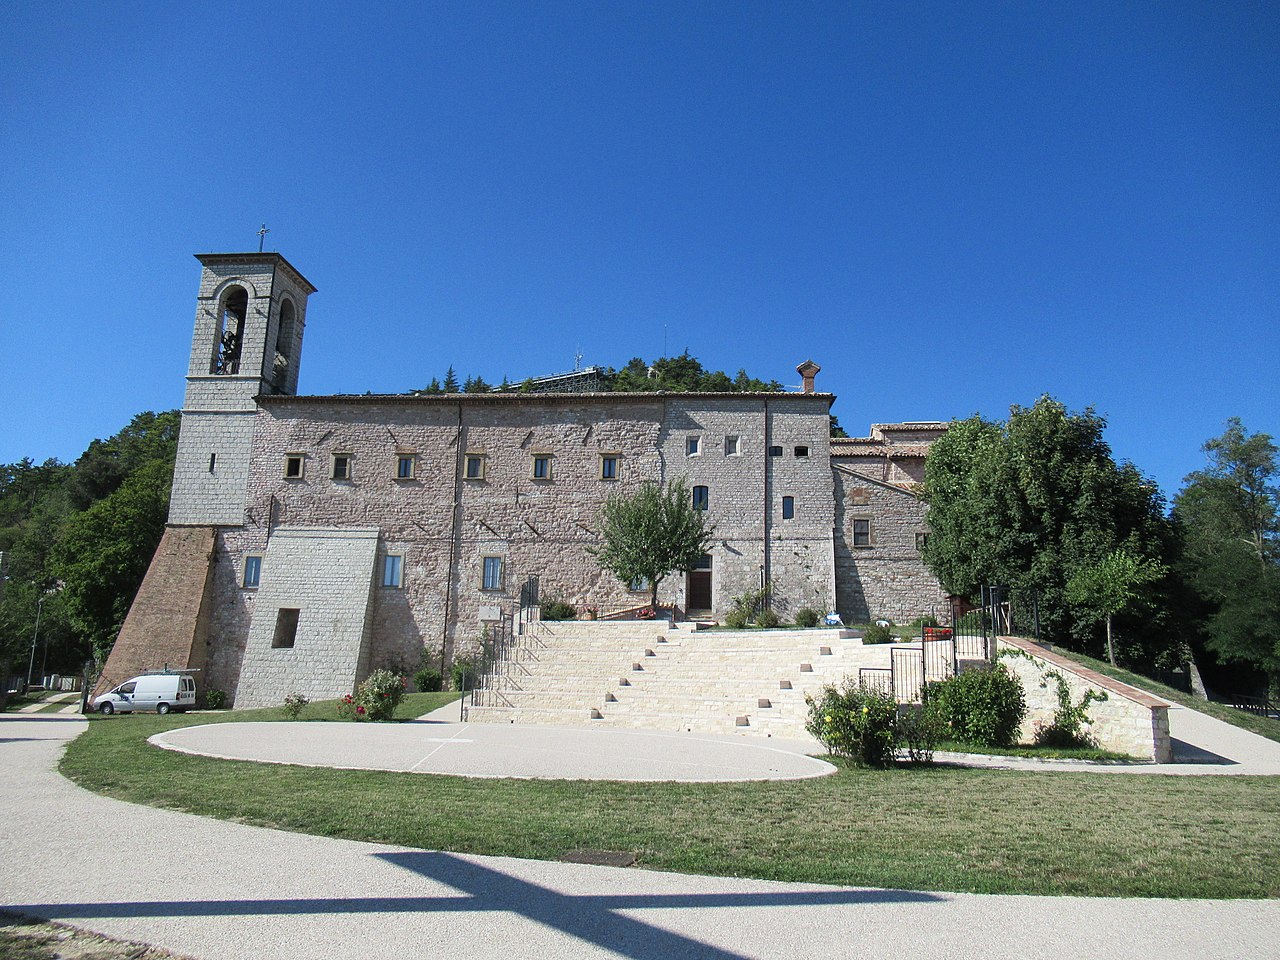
(615, 674)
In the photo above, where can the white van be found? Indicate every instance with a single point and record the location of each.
(160, 692)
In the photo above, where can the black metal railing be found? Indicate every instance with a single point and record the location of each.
(1259, 706)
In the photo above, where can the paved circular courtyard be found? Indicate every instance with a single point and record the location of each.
(502, 750)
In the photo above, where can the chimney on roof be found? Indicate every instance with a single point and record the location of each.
(808, 370)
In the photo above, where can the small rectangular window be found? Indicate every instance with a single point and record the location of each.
(862, 533)
(293, 466)
(692, 446)
(802, 451)
(608, 466)
(922, 541)
(286, 628)
(730, 446)
(639, 585)
(252, 572)
(704, 562)
(341, 466)
(775, 451)
(475, 466)
(788, 508)
(392, 566)
(542, 466)
(492, 574)
(406, 466)
(701, 498)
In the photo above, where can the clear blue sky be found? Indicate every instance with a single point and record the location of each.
(952, 208)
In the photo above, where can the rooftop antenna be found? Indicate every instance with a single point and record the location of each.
(664, 340)
(262, 237)
(577, 359)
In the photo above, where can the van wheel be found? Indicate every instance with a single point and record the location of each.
(107, 708)
(162, 709)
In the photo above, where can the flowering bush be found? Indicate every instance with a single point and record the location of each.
(378, 697)
(347, 708)
(645, 613)
(855, 723)
(293, 705)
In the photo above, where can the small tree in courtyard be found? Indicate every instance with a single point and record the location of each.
(652, 534)
(1108, 587)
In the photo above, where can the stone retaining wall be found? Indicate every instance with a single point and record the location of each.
(1129, 721)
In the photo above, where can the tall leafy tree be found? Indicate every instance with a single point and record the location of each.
(1028, 502)
(1229, 515)
(103, 552)
(651, 534)
(1110, 586)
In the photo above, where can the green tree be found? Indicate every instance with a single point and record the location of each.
(102, 553)
(1028, 502)
(450, 384)
(1111, 585)
(1229, 515)
(651, 534)
(103, 467)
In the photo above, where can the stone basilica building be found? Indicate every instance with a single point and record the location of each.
(312, 539)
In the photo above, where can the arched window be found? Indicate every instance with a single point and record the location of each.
(230, 332)
(284, 348)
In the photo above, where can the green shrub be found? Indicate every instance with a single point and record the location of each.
(735, 619)
(380, 694)
(427, 679)
(214, 699)
(878, 634)
(919, 623)
(982, 707)
(854, 723)
(807, 617)
(767, 619)
(293, 705)
(920, 729)
(465, 670)
(1067, 728)
(558, 610)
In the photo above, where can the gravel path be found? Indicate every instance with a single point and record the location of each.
(223, 891)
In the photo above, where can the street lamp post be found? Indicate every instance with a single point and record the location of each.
(35, 639)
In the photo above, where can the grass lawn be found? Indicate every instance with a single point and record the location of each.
(931, 829)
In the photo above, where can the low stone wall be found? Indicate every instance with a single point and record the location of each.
(1129, 721)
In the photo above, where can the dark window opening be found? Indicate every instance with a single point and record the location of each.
(404, 467)
(788, 508)
(293, 467)
(213, 461)
(284, 348)
(475, 467)
(701, 498)
(802, 451)
(922, 541)
(862, 533)
(230, 331)
(609, 468)
(775, 451)
(542, 467)
(286, 628)
(341, 466)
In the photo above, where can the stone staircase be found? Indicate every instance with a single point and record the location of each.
(661, 676)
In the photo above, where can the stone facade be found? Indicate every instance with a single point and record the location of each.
(1129, 720)
(403, 526)
(879, 531)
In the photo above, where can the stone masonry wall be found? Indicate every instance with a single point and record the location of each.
(885, 578)
(536, 526)
(326, 576)
(1129, 721)
(168, 622)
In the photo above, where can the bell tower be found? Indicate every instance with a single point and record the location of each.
(250, 318)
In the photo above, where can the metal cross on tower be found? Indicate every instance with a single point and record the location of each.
(262, 237)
